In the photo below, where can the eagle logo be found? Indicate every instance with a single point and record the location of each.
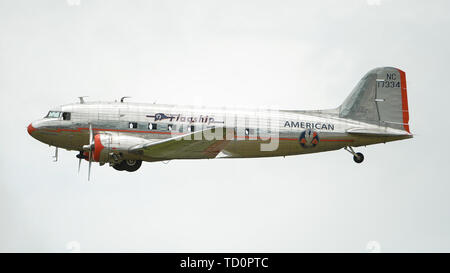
(309, 138)
(160, 116)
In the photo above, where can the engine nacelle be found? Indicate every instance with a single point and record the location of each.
(113, 147)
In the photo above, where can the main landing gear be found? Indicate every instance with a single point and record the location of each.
(357, 157)
(128, 165)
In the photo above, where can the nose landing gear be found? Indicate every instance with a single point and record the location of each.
(357, 157)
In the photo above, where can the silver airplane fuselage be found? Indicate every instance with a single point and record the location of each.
(115, 118)
(123, 131)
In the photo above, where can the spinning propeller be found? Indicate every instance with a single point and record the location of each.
(87, 148)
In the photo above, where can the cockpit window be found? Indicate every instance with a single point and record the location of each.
(66, 116)
(53, 114)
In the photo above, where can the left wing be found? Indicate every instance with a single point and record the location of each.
(207, 143)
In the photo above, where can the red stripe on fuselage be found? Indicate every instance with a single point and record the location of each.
(342, 140)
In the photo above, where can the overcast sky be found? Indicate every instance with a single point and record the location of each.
(285, 54)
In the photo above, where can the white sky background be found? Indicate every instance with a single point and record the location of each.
(286, 54)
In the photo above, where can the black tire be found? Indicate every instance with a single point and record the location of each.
(120, 166)
(132, 165)
(358, 158)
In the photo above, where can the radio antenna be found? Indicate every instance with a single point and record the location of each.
(82, 99)
(121, 99)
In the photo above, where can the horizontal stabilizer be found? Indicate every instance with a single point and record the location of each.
(377, 132)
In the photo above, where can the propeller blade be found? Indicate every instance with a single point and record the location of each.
(91, 144)
(91, 137)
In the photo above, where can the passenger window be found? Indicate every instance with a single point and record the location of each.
(66, 116)
(132, 125)
(170, 127)
(152, 126)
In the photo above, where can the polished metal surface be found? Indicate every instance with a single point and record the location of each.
(156, 132)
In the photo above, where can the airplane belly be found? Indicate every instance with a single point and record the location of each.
(243, 149)
(292, 142)
(247, 148)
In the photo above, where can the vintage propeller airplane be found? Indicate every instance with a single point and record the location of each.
(125, 134)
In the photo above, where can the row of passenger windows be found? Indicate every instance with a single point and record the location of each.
(171, 127)
(154, 126)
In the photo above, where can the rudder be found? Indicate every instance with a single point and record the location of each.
(380, 97)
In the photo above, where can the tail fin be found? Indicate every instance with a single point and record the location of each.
(379, 98)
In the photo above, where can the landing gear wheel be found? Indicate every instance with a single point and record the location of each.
(120, 167)
(128, 165)
(132, 165)
(358, 157)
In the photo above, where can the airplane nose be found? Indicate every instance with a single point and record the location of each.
(31, 129)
